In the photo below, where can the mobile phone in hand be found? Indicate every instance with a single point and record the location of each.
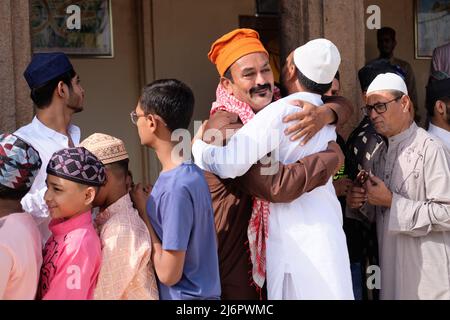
(362, 177)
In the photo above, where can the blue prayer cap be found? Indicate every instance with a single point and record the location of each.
(45, 67)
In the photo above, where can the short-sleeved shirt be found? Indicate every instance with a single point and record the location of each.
(180, 210)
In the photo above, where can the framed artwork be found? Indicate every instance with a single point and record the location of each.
(75, 27)
(432, 26)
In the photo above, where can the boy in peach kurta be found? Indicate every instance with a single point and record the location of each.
(127, 271)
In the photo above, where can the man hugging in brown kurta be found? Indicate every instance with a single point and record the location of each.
(246, 87)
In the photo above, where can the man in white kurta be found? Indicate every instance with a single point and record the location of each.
(307, 255)
(51, 129)
(46, 141)
(409, 197)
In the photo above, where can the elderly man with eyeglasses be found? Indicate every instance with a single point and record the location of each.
(408, 194)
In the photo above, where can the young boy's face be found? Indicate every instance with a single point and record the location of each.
(145, 130)
(65, 198)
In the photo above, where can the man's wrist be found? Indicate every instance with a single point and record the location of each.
(329, 160)
(330, 116)
(388, 203)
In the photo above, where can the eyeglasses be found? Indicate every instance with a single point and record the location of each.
(134, 117)
(380, 107)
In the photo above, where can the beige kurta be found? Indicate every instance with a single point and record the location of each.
(414, 234)
(127, 271)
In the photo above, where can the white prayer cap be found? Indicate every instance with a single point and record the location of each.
(388, 81)
(318, 60)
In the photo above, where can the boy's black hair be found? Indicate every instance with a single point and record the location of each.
(11, 194)
(42, 96)
(121, 166)
(171, 99)
(312, 86)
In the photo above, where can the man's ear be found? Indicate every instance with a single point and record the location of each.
(90, 194)
(440, 107)
(152, 123)
(227, 84)
(61, 89)
(407, 104)
(292, 72)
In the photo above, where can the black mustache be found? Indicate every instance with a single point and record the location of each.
(261, 87)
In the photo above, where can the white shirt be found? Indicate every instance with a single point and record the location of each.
(46, 141)
(441, 134)
(305, 236)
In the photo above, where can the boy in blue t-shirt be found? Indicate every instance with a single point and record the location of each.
(179, 208)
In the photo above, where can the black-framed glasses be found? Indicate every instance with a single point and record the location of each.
(134, 117)
(379, 108)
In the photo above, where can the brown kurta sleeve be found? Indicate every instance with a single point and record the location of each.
(341, 106)
(290, 181)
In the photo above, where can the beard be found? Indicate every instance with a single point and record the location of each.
(283, 83)
(448, 114)
(75, 103)
(283, 89)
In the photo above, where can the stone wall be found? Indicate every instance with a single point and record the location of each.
(15, 53)
(341, 21)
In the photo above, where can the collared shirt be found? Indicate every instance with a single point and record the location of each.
(440, 133)
(46, 141)
(414, 233)
(127, 272)
(321, 267)
(72, 258)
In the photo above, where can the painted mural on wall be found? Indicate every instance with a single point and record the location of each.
(432, 26)
(76, 27)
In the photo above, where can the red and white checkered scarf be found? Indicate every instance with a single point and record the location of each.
(257, 231)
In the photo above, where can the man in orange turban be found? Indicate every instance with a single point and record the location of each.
(247, 86)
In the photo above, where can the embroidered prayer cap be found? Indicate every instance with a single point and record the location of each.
(78, 165)
(318, 60)
(232, 46)
(106, 148)
(19, 163)
(45, 67)
(388, 81)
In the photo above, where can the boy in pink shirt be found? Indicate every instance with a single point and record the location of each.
(20, 240)
(72, 255)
